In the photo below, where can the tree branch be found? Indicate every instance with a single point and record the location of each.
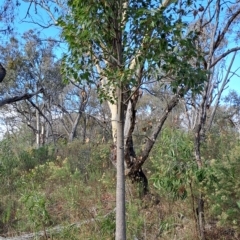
(224, 83)
(19, 98)
(224, 55)
(226, 28)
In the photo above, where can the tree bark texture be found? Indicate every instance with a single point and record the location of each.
(120, 189)
(37, 129)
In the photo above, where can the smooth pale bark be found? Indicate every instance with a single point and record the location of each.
(117, 119)
(37, 129)
(114, 118)
(43, 135)
(41, 112)
(120, 189)
(112, 105)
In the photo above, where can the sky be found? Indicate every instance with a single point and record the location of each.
(23, 24)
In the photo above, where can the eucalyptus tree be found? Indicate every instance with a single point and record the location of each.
(81, 114)
(216, 25)
(70, 106)
(155, 44)
(7, 16)
(123, 45)
(32, 68)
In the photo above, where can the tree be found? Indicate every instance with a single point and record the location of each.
(124, 45)
(214, 22)
(71, 105)
(7, 15)
(32, 69)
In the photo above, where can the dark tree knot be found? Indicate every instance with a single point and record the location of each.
(2, 72)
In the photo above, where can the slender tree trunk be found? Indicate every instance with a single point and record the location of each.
(72, 134)
(200, 213)
(84, 97)
(84, 128)
(200, 208)
(42, 136)
(199, 132)
(37, 129)
(120, 189)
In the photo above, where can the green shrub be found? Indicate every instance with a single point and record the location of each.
(175, 173)
(36, 213)
(223, 193)
(8, 161)
(29, 159)
(173, 163)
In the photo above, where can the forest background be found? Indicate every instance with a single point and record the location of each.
(60, 105)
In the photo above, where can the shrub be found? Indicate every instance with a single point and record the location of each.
(29, 159)
(173, 163)
(223, 193)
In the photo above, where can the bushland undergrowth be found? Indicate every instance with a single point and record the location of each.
(69, 183)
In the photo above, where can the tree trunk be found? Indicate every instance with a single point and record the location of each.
(84, 130)
(73, 131)
(37, 129)
(130, 157)
(42, 136)
(199, 132)
(120, 189)
(84, 98)
(134, 163)
(200, 208)
(200, 214)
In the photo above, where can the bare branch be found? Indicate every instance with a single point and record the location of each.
(224, 83)
(40, 111)
(226, 28)
(19, 98)
(224, 55)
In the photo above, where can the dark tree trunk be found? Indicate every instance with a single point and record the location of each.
(133, 163)
(84, 99)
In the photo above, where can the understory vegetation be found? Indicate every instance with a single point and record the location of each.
(72, 185)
